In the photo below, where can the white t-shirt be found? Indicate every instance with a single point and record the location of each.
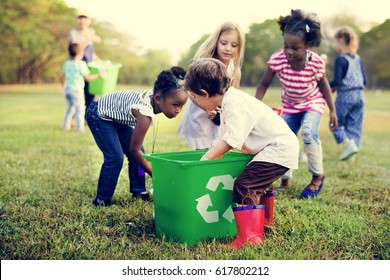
(196, 127)
(250, 126)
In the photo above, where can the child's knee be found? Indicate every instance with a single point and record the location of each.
(309, 133)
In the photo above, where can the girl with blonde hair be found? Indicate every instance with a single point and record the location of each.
(200, 127)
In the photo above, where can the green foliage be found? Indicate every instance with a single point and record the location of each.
(261, 42)
(374, 46)
(35, 39)
(31, 31)
(187, 58)
(48, 180)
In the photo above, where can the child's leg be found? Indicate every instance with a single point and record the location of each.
(254, 180)
(80, 111)
(69, 111)
(354, 120)
(136, 174)
(342, 109)
(294, 122)
(285, 182)
(313, 149)
(312, 142)
(106, 137)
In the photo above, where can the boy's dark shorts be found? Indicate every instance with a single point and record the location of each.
(255, 179)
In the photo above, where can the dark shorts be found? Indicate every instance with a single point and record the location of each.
(255, 179)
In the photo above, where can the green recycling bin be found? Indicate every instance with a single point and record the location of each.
(102, 86)
(193, 198)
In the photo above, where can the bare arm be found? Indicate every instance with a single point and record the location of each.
(137, 140)
(264, 83)
(237, 78)
(90, 77)
(323, 84)
(217, 151)
(62, 78)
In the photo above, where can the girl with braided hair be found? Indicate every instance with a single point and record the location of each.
(119, 122)
(305, 90)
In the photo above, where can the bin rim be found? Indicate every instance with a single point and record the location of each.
(95, 64)
(156, 157)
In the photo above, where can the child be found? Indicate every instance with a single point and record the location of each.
(305, 90)
(350, 80)
(226, 45)
(73, 74)
(248, 125)
(85, 36)
(119, 122)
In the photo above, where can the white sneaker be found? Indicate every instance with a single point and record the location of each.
(350, 149)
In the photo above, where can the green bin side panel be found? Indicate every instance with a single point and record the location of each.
(102, 86)
(180, 183)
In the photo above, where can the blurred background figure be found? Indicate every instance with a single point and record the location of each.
(349, 80)
(85, 36)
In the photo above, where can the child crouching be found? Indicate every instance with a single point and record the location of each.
(247, 125)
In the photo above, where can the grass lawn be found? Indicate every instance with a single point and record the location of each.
(48, 180)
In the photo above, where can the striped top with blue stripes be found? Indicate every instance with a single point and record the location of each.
(117, 106)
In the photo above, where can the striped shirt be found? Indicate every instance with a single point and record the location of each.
(300, 91)
(117, 106)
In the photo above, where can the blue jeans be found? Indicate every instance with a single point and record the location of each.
(309, 122)
(113, 140)
(74, 101)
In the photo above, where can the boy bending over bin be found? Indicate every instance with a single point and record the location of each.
(247, 125)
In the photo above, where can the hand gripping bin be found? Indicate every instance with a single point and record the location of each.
(105, 85)
(193, 198)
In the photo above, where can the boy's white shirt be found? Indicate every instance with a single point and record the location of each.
(250, 126)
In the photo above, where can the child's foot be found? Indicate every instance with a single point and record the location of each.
(284, 184)
(314, 188)
(144, 196)
(350, 149)
(101, 202)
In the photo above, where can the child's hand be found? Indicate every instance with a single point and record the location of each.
(211, 114)
(333, 122)
(102, 74)
(62, 90)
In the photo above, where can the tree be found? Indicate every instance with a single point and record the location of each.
(262, 40)
(32, 29)
(374, 50)
(187, 58)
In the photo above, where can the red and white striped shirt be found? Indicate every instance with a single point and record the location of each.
(300, 91)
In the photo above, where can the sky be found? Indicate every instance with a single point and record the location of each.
(174, 25)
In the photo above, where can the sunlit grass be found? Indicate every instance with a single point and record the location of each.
(48, 180)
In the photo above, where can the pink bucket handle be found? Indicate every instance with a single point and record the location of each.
(245, 197)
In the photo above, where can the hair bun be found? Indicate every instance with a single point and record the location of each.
(179, 72)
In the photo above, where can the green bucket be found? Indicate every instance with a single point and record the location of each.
(105, 85)
(193, 198)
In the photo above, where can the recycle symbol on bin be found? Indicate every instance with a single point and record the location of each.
(204, 202)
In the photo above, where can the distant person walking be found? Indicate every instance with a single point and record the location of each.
(200, 127)
(85, 36)
(350, 80)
